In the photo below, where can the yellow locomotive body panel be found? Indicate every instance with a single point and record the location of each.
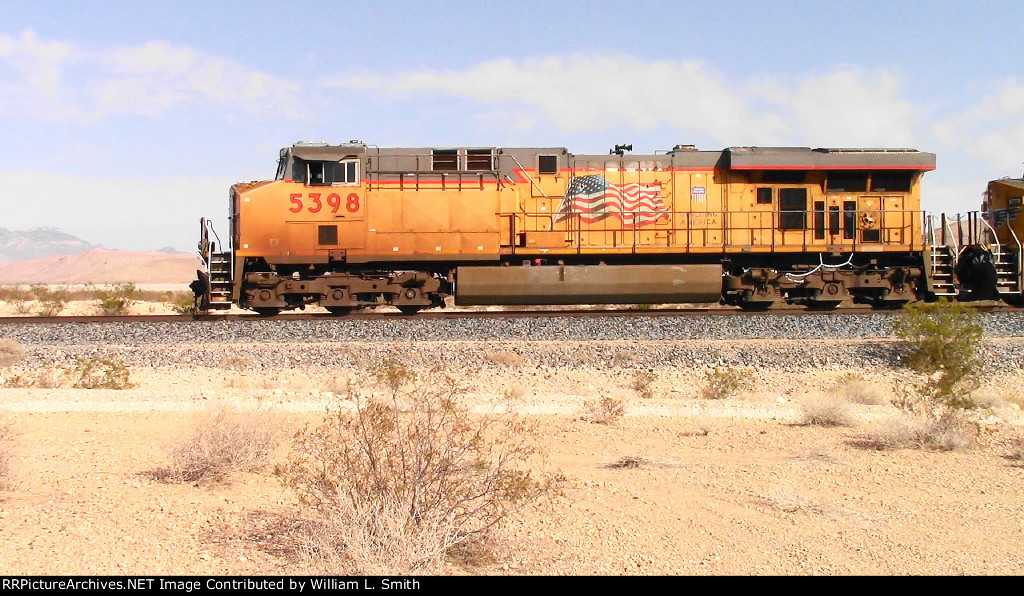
(618, 207)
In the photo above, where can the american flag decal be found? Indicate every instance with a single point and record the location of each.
(593, 199)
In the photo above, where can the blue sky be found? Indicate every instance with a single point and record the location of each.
(124, 122)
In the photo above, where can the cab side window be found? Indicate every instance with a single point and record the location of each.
(317, 173)
(793, 208)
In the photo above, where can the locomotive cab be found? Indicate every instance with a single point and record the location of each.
(318, 164)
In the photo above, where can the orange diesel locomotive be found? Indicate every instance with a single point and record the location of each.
(353, 225)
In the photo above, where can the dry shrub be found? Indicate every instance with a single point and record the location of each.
(51, 302)
(11, 352)
(115, 299)
(700, 429)
(184, 303)
(377, 540)
(987, 398)
(723, 383)
(606, 410)
(857, 389)
(513, 395)
(622, 359)
(17, 297)
(827, 409)
(641, 384)
(94, 372)
(399, 480)
(223, 441)
(236, 362)
(505, 358)
(948, 432)
(49, 378)
(629, 462)
(101, 373)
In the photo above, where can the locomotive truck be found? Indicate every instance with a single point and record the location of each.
(353, 225)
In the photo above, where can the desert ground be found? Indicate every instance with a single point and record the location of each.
(678, 484)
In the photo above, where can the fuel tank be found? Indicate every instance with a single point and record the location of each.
(588, 284)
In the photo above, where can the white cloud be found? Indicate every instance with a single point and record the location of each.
(847, 107)
(31, 72)
(581, 93)
(992, 131)
(62, 81)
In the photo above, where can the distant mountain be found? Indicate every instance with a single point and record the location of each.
(103, 266)
(40, 242)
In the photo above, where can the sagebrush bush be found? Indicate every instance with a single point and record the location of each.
(402, 477)
(115, 299)
(18, 298)
(101, 373)
(642, 381)
(51, 302)
(48, 378)
(827, 409)
(722, 383)
(505, 358)
(857, 389)
(606, 410)
(184, 303)
(947, 432)
(942, 340)
(223, 440)
(11, 352)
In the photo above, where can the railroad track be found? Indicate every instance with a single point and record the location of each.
(467, 314)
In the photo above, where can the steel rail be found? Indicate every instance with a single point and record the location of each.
(466, 314)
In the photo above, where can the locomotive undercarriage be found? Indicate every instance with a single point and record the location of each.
(882, 284)
(270, 289)
(811, 280)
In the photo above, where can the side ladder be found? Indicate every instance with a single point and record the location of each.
(941, 267)
(1008, 268)
(219, 269)
(220, 280)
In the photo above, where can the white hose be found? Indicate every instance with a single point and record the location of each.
(799, 277)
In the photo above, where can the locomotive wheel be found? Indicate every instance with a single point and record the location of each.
(409, 310)
(267, 311)
(339, 311)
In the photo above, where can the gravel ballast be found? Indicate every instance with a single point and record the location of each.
(785, 341)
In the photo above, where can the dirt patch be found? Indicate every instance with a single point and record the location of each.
(678, 485)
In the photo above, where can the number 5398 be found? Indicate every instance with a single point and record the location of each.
(333, 201)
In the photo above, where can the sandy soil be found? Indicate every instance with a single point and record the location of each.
(735, 486)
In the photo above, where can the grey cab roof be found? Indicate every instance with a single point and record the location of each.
(736, 158)
(1017, 183)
